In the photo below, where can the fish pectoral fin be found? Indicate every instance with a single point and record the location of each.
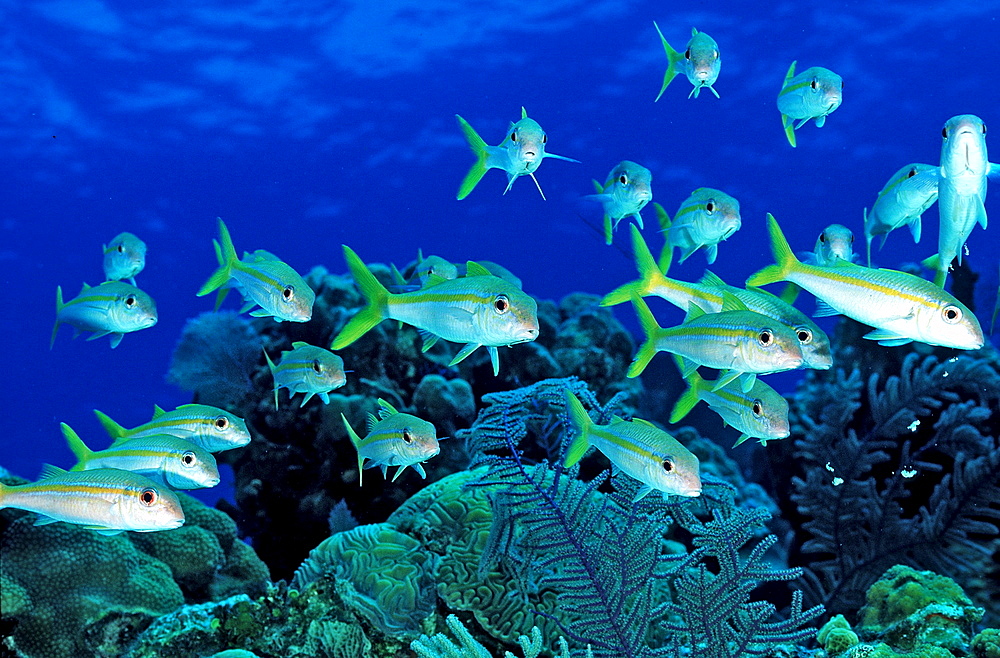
(824, 310)
(725, 377)
(638, 219)
(418, 467)
(104, 530)
(98, 334)
(44, 520)
(428, 338)
(980, 215)
(743, 437)
(510, 181)
(116, 339)
(560, 157)
(644, 491)
(820, 121)
(464, 352)
(494, 359)
(887, 338)
(802, 122)
(747, 380)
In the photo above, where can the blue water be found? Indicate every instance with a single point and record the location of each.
(306, 125)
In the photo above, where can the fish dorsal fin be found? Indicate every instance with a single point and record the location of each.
(84, 289)
(372, 420)
(731, 302)
(694, 312)
(420, 255)
(50, 471)
(791, 72)
(597, 186)
(386, 409)
(158, 411)
(472, 268)
(711, 279)
(299, 343)
(641, 421)
(524, 113)
(432, 280)
(261, 255)
(694, 31)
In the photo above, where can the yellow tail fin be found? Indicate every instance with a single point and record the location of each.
(785, 260)
(374, 293)
(479, 169)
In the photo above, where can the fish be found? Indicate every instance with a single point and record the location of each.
(708, 295)
(394, 439)
(262, 279)
(812, 94)
(901, 307)
(439, 269)
(911, 191)
(124, 257)
(519, 154)
(740, 343)
(106, 500)
(835, 243)
(211, 428)
(760, 413)
(961, 189)
(112, 308)
(704, 219)
(433, 266)
(160, 457)
(307, 369)
(495, 269)
(700, 62)
(638, 448)
(626, 191)
(478, 309)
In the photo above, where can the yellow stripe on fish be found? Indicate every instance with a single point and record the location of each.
(211, 428)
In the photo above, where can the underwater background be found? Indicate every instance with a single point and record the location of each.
(308, 125)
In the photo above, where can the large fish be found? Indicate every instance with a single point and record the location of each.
(961, 188)
(112, 308)
(307, 369)
(519, 154)
(812, 94)
(704, 219)
(262, 279)
(394, 439)
(107, 500)
(700, 62)
(478, 309)
(211, 428)
(902, 307)
(911, 191)
(638, 448)
(626, 191)
(708, 295)
(124, 257)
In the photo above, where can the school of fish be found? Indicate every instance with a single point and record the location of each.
(743, 333)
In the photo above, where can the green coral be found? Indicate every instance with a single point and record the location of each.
(440, 646)
(987, 644)
(836, 636)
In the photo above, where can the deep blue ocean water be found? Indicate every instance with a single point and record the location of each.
(306, 125)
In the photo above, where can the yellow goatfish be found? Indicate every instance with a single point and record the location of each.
(627, 190)
(124, 257)
(112, 308)
(262, 279)
(704, 219)
(107, 500)
(211, 428)
(479, 309)
(700, 62)
(902, 307)
(812, 94)
(394, 439)
(637, 447)
(519, 154)
(307, 369)
(903, 200)
(835, 243)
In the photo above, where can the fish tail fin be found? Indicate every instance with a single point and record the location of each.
(479, 168)
(376, 295)
(581, 423)
(59, 305)
(114, 430)
(76, 444)
(225, 252)
(271, 367)
(649, 274)
(687, 401)
(672, 58)
(647, 350)
(785, 260)
(356, 442)
(940, 274)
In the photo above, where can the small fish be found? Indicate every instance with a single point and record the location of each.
(835, 243)
(700, 62)
(435, 266)
(911, 190)
(625, 193)
(708, 295)
(961, 189)
(262, 279)
(704, 219)
(519, 154)
(164, 458)
(211, 428)
(495, 269)
(106, 500)
(760, 413)
(307, 369)
(812, 94)
(902, 307)
(394, 439)
(478, 309)
(637, 447)
(112, 308)
(740, 343)
(124, 257)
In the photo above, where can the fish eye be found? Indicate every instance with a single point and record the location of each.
(501, 304)
(545, 138)
(804, 335)
(912, 173)
(407, 437)
(951, 314)
(710, 207)
(513, 137)
(687, 54)
(944, 132)
(852, 238)
(188, 458)
(121, 249)
(814, 84)
(222, 423)
(765, 337)
(715, 54)
(822, 237)
(317, 366)
(148, 497)
(623, 179)
(984, 128)
(757, 408)
(288, 294)
(668, 465)
(130, 301)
